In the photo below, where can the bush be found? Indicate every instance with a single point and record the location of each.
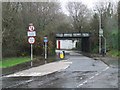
(9, 53)
(94, 50)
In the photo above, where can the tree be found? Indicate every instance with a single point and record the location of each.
(78, 12)
(94, 27)
(46, 17)
(118, 25)
(1, 32)
(9, 32)
(108, 22)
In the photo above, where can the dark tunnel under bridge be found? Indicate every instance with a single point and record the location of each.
(85, 39)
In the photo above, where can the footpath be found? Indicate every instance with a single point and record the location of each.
(110, 61)
(43, 69)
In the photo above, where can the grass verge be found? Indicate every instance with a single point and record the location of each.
(114, 53)
(9, 62)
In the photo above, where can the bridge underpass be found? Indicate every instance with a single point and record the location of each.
(83, 39)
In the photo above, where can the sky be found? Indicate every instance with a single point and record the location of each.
(90, 3)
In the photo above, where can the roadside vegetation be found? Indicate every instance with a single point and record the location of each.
(114, 53)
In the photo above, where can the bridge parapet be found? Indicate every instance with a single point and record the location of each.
(72, 35)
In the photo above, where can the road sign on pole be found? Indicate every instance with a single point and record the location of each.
(31, 39)
(45, 41)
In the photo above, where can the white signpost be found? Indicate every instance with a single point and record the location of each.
(45, 41)
(31, 39)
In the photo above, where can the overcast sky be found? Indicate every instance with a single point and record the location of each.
(90, 3)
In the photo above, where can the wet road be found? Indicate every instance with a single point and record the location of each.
(84, 72)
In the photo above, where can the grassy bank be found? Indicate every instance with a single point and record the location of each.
(114, 53)
(12, 65)
(9, 62)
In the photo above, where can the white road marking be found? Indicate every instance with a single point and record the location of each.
(96, 74)
(28, 81)
(80, 85)
(106, 69)
(92, 77)
(85, 81)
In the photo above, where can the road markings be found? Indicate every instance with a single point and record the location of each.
(105, 69)
(85, 81)
(92, 77)
(80, 85)
(24, 74)
(96, 74)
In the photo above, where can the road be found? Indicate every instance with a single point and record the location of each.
(84, 72)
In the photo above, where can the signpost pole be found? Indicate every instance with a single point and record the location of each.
(45, 51)
(31, 55)
(45, 41)
(99, 44)
(31, 39)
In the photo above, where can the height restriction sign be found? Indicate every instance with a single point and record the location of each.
(31, 40)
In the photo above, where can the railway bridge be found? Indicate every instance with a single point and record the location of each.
(84, 37)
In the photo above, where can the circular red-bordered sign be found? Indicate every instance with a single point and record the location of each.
(31, 40)
(31, 28)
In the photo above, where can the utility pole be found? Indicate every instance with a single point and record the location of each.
(101, 36)
(101, 33)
